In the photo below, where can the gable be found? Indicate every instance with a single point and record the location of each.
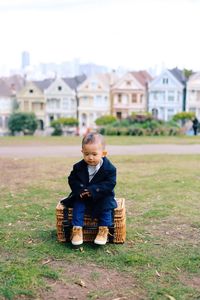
(128, 82)
(165, 81)
(58, 87)
(93, 84)
(30, 90)
(194, 81)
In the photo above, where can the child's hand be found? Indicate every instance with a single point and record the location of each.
(85, 194)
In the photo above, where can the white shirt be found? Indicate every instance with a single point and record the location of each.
(92, 170)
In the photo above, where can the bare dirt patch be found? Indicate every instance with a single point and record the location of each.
(90, 281)
(17, 174)
(174, 231)
(193, 282)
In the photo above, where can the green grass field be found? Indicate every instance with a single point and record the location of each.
(161, 256)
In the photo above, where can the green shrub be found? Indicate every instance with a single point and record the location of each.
(68, 121)
(105, 120)
(140, 125)
(57, 128)
(22, 122)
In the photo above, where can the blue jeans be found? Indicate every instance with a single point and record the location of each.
(104, 217)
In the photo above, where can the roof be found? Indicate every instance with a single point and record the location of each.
(108, 78)
(74, 82)
(9, 86)
(179, 75)
(142, 76)
(43, 84)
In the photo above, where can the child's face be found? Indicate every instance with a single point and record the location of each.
(92, 153)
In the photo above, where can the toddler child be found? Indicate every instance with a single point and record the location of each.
(92, 181)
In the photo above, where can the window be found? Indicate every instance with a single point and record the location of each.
(198, 95)
(85, 100)
(171, 96)
(165, 80)
(73, 103)
(31, 91)
(98, 100)
(155, 95)
(94, 84)
(6, 122)
(134, 98)
(53, 103)
(161, 96)
(36, 106)
(26, 105)
(59, 88)
(128, 83)
(119, 98)
(170, 112)
(65, 103)
(141, 98)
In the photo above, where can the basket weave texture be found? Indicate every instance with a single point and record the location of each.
(117, 233)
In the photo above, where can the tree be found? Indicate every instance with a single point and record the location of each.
(183, 117)
(22, 122)
(187, 73)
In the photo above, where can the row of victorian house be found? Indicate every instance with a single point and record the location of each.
(101, 94)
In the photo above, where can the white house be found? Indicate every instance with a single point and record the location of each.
(94, 100)
(60, 101)
(8, 88)
(167, 94)
(193, 95)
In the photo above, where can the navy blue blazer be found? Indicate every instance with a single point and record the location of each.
(101, 187)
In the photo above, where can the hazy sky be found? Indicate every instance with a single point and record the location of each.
(136, 34)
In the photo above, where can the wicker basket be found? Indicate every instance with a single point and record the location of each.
(117, 232)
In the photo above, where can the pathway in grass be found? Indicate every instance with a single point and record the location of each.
(75, 151)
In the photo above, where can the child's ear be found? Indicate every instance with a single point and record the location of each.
(104, 153)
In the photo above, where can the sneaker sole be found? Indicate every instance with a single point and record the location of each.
(77, 243)
(100, 243)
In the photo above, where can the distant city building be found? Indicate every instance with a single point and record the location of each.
(91, 69)
(25, 62)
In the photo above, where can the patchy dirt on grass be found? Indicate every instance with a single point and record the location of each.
(90, 281)
(193, 282)
(175, 231)
(17, 174)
